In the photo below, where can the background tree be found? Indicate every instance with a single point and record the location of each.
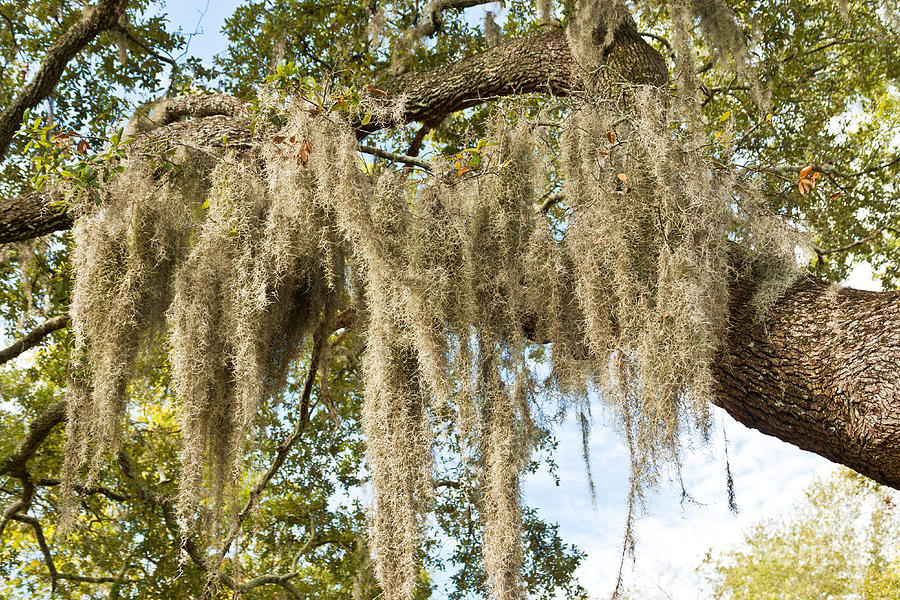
(839, 541)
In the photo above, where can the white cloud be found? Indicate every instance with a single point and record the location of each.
(673, 535)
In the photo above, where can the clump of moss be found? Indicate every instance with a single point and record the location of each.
(128, 249)
(459, 276)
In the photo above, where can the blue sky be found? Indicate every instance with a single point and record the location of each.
(672, 537)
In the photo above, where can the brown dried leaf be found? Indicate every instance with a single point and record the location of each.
(62, 140)
(303, 154)
(374, 90)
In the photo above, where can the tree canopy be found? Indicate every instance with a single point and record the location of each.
(840, 541)
(382, 245)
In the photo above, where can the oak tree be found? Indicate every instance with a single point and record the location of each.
(617, 190)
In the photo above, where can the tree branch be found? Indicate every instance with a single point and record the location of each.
(319, 339)
(48, 557)
(86, 491)
(184, 542)
(820, 371)
(873, 236)
(33, 338)
(94, 19)
(171, 110)
(19, 506)
(122, 29)
(400, 158)
(32, 215)
(415, 146)
(540, 63)
(38, 431)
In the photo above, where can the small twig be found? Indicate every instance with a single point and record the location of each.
(307, 545)
(886, 165)
(827, 169)
(875, 234)
(706, 66)
(448, 483)
(400, 158)
(176, 68)
(551, 202)
(131, 38)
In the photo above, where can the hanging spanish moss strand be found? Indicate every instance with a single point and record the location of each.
(398, 433)
(128, 249)
(505, 443)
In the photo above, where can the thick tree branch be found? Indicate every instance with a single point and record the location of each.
(33, 338)
(171, 110)
(95, 19)
(540, 63)
(40, 428)
(821, 371)
(33, 215)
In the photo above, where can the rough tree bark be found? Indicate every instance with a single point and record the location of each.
(820, 371)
